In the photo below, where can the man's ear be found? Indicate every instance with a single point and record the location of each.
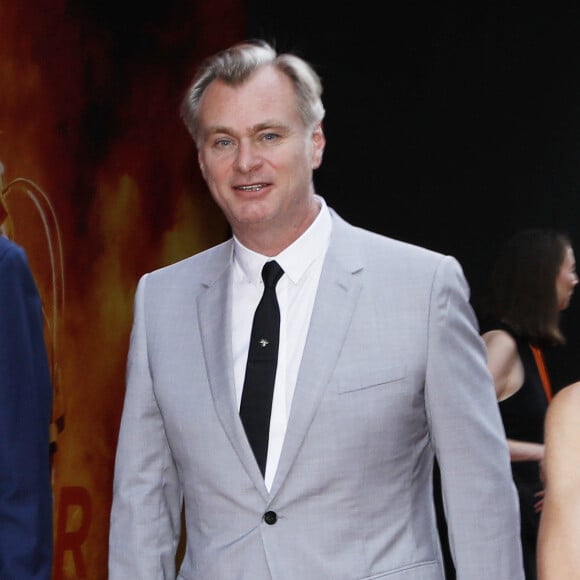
(201, 165)
(318, 144)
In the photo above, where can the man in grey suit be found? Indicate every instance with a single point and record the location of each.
(380, 369)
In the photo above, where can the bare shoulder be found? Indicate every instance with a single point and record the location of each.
(564, 409)
(501, 347)
(503, 361)
(498, 338)
(562, 431)
(569, 395)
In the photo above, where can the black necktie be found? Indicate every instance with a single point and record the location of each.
(258, 388)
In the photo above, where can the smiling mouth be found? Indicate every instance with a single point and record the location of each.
(255, 187)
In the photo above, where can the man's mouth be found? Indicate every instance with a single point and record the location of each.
(254, 187)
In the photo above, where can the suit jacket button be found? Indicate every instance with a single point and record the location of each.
(270, 518)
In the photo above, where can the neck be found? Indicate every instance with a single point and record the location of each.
(269, 240)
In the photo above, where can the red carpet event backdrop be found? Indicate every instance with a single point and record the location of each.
(99, 183)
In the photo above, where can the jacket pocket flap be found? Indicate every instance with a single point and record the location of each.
(364, 378)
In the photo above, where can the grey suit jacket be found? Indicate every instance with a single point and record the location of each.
(393, 373)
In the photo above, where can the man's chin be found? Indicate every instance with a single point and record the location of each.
(253, 214)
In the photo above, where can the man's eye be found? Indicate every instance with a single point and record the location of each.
(269, 136)
(223, 142)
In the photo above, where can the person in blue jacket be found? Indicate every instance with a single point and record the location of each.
(26, 525)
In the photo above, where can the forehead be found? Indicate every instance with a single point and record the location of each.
(266, 94)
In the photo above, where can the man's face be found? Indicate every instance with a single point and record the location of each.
(256, 155)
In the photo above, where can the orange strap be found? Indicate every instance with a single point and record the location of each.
(543, 371)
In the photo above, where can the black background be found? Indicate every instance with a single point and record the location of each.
(448, 125)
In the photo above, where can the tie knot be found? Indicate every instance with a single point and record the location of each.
(271, 273)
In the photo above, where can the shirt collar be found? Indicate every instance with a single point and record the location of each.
(297, 257)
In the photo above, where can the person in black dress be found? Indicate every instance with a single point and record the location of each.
(532, 281)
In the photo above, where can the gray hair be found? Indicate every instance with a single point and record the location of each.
(236, 64)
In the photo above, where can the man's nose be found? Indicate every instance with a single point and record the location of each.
(247, 159)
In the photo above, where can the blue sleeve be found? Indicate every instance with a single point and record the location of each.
(26, 526)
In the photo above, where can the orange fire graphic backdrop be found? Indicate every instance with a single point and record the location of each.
(99, 184)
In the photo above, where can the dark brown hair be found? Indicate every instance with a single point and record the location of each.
(522, 288)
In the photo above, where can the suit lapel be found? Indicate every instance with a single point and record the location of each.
(214, 311)
(337, 295)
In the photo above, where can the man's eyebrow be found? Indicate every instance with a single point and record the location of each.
(217, 129)
(268, 124)
(262, 126)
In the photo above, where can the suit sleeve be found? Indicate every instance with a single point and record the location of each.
(479, 496)
(145, 515)
(25, 409)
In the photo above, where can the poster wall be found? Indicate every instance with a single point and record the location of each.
(99, 183)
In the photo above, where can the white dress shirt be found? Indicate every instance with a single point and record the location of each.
(296, 291)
